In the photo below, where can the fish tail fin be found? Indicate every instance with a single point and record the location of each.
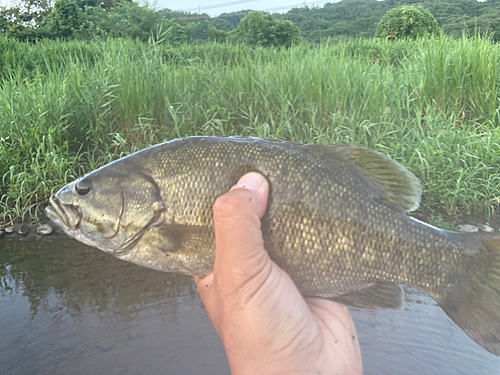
(474, 303)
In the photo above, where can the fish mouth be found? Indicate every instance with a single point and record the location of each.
(67, 214)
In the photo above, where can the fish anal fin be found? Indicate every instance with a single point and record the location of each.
(388, 181)
(374, 296)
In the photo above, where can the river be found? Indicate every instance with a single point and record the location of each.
(66, 308)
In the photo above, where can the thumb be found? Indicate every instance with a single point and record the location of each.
(240, 252)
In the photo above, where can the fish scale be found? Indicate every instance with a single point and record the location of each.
(335, 222)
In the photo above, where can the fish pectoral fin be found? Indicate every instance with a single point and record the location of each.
(185, 237)
(388, 181)
(175, 248)
(374, 296)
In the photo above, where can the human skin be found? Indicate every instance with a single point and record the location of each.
(265, 324)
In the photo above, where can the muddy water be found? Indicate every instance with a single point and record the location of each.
(66, 308)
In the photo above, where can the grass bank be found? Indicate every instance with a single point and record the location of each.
(69, 107)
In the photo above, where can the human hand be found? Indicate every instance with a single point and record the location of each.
(265, 324)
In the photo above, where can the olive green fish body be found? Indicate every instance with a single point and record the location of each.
(316, 224)
(335, 223)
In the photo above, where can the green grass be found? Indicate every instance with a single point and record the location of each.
(69, 107)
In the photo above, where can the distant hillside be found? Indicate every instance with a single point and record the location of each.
(359, 18)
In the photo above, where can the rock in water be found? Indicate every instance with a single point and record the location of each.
(485, 228)
(24, 230)
(467, 228)
(44, 230)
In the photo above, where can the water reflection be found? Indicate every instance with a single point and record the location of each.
(420, 339)
(66, 308)
(79, 275)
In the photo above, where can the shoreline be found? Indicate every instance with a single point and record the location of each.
(42, 227)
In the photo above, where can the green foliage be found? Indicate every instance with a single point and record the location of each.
(131, 20)
(359, 18)
(256, 29)
(66, 18)
(344, 18)
(259, 29)
(487, 24)
(407, 22)
(70, 107)
(18, 21)
(85, 19)
(32, 20)
(286, 33)
(229, 21)
(216, 35)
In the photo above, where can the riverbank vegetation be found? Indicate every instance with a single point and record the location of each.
(67, 108)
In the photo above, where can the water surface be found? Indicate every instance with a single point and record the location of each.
(66, 308)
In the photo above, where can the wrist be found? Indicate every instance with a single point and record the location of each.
(247, 359)
(319, 356)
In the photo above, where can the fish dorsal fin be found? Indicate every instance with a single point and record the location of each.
(378, 295)
(389, 181)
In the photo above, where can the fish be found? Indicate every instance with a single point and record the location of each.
(336, 222)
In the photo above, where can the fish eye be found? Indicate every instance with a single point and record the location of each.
(83, 187)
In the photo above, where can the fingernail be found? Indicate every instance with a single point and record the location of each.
(251, 181)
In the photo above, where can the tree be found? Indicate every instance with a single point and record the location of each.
(286, 33)
(488, 24)
(22, 20)
(66, 18)
(216, 35)
(229, 21)
(259, 29)
(135, 21)
(407, 22)
(256, 29)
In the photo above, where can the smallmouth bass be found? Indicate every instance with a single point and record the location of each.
(335, 223)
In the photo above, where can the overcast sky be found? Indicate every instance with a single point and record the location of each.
(216, 7)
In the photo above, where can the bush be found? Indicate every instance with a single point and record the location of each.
(407, 22)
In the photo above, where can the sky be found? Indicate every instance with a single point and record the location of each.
(215, 7)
